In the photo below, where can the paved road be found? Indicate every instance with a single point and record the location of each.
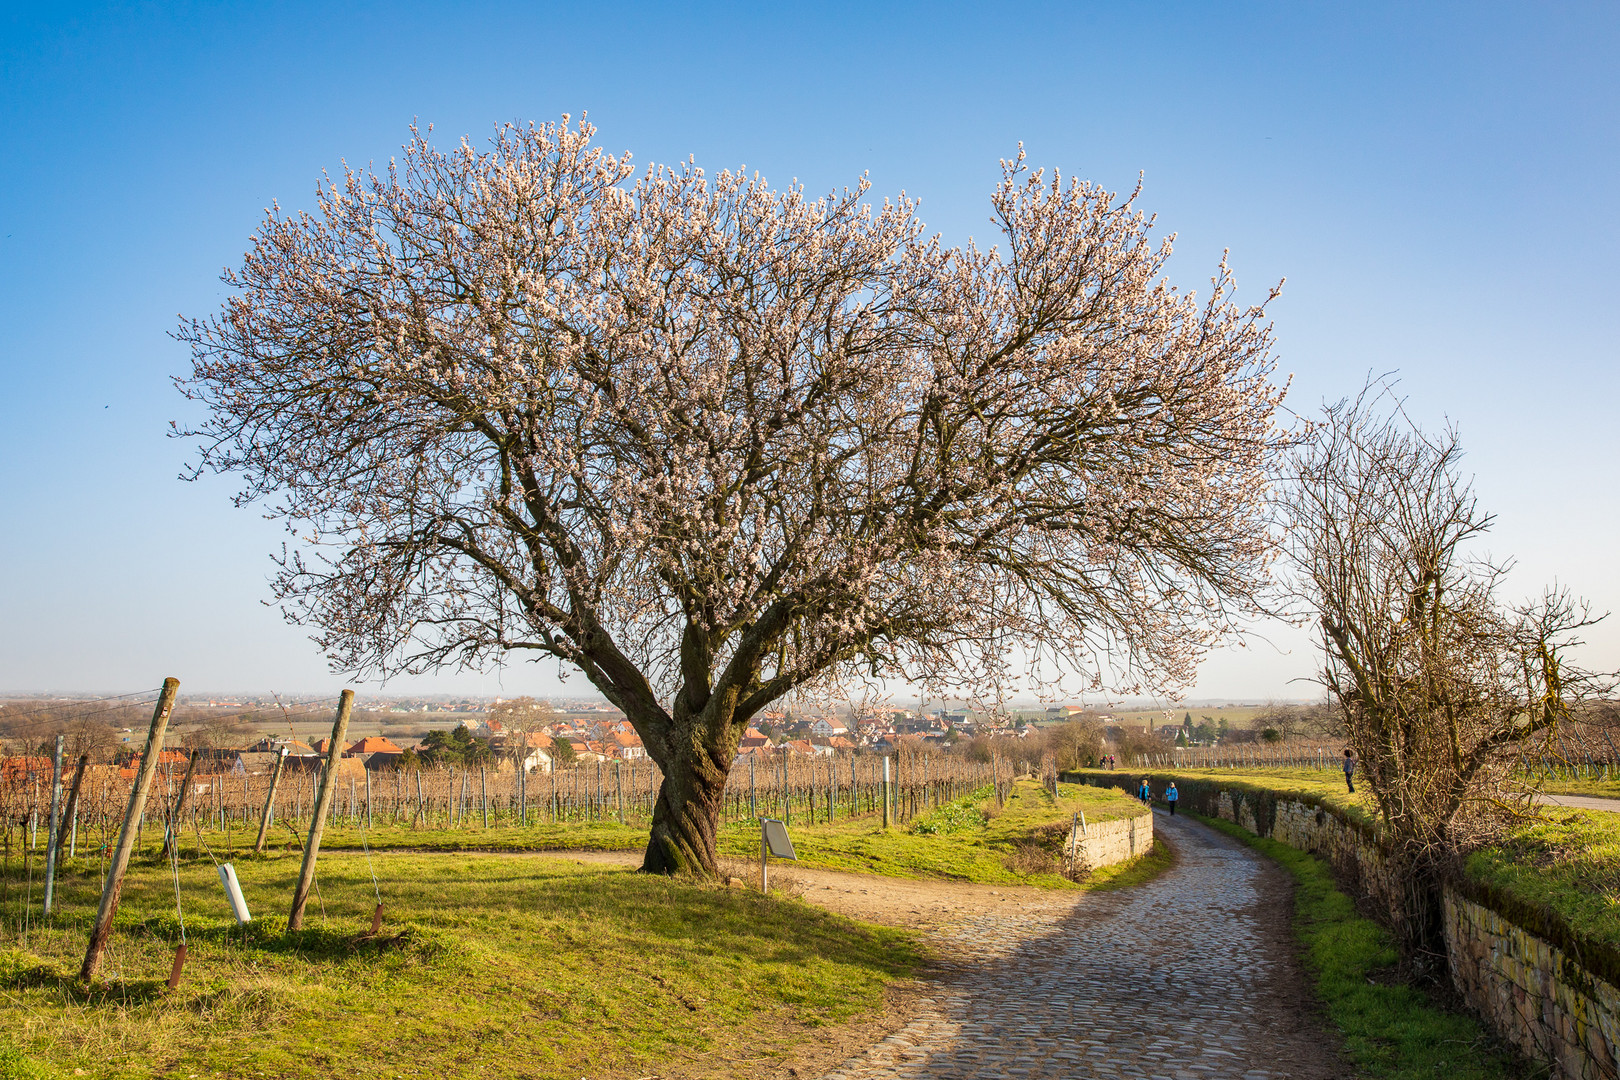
(1189, 976)
(1581, 802)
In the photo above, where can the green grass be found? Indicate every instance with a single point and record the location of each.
(1390, 1030)
(490, 965)
(1564, 860)
(967, 840)
(1139, 871)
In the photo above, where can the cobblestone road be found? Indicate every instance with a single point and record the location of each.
(1189, 976)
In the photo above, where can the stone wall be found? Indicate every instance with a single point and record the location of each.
(1105, 843)
(1532, 992)
(1540, 986)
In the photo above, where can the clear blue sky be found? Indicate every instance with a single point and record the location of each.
(1437, 183)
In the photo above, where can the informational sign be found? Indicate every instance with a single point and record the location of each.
(776, 838)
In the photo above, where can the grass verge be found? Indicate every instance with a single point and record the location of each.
(1567, 861)
(969, 840)
(1390, 1030)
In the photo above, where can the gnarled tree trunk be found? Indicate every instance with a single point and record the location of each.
(695, 748)
(686, 817)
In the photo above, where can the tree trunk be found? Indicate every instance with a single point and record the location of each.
(686, 817)
(1417, 913)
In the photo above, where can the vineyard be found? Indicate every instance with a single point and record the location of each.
(233, 812)
(1580, 750)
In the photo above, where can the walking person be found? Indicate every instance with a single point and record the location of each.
(1350, 769)
(1172, 796)
(1144, 792)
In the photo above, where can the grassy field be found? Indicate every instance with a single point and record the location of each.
(1238, 716)
(967, 840)
(1390, 1030)
(1564, 860)
(490, 965)
(493, 961)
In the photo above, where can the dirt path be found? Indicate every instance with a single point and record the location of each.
(1191, 975)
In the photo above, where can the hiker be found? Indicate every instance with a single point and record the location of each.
(1171, 795)
(1144, 792)
(1350, 769)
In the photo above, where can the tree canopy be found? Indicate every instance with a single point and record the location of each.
(709, 441)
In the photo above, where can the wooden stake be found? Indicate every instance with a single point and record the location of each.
(53, 838)
(71, 813)
(171, 838)
(376, 920)
(317, 822)
(179, 962)
(270, 801)
(114, 886)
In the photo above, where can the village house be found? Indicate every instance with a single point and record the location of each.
(628, 746)
(535, 746)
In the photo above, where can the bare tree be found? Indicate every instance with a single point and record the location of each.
(1074, 744)
(1437, 681)
(712, 442)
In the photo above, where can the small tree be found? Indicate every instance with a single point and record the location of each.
(1075, 743)
(710, 442)
(519, 717)
(1438, 683)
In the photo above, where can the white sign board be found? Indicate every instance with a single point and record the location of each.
(776, 838)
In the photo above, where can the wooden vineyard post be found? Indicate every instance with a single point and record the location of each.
(114, 885)
(53, 838)
(317, 821)
(483, 793)
(753, 802)
(368, 800)
(270, 801)
(171, 831)
(70, 813)
(618, 784)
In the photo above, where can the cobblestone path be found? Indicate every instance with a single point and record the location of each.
(1191, 975)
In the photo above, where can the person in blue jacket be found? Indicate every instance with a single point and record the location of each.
(1144, 792)
(1172, 796)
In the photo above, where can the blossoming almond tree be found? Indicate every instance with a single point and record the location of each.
(711, 442)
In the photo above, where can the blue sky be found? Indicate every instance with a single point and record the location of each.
(1436, 182)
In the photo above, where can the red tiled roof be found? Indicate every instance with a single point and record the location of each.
(372, 744)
